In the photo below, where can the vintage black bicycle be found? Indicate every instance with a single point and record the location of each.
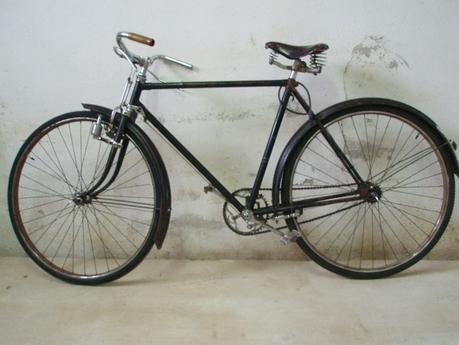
(365, 187)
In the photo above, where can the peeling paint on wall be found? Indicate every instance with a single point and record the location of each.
(195, 221)
(353, 148)
(188, 194)
(373, 50)
(380, 64)
(368, 56)
(213, 116)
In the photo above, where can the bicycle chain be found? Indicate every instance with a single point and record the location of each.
(312, 219)
(326, 215)
(318, 187)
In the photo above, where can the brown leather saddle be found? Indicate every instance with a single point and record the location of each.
(296, 52)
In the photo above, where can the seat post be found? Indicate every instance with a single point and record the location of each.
(298, 66)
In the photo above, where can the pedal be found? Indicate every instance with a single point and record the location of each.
(292, 236)
(285, 237)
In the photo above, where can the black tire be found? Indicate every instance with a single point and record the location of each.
(88, 241)
(405, 159)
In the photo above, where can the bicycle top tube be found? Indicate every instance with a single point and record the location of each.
(215, 84)
(295, 53)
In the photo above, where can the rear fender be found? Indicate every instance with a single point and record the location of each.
(353, 105)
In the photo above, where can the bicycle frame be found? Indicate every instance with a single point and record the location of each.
(88, 211)
(290, 89)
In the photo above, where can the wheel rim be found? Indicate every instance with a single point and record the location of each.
(391, 153)
(66, 231)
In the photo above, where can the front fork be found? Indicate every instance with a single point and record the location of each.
(119, 143)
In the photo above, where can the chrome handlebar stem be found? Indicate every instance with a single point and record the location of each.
(139, 65)
(123, 52)
(151, 60)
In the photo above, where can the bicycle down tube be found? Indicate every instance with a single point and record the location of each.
(183, 150)
(290, 89)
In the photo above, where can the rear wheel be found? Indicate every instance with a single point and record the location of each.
(82, 238)
(410, 184)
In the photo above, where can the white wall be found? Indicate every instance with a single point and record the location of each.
(56, 54)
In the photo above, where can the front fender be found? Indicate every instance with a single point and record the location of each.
(351, 105)
(165, 202)
(97, 108)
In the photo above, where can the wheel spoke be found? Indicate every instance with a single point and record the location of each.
(404, 196)
(77, 236)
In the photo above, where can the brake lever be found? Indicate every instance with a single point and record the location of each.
(156, 77)
(118, 51)
(161, 80)
(181, 63)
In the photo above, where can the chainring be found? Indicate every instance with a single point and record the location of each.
(233, 218)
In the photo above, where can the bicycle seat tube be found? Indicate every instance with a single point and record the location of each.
(291, 84)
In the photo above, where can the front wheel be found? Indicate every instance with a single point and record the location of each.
(79, 238)
(404, 163)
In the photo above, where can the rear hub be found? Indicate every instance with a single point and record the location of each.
(370, 192)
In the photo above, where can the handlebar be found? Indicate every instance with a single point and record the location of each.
(135, 37)
(170, 59)
(134, 59)
(124, 52)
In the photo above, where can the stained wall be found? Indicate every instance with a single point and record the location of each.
(55, 55)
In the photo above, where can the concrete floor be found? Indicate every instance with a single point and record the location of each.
(231, 302)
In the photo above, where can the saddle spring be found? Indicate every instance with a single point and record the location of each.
(272, 57)
(317, 61)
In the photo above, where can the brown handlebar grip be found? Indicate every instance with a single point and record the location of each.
(141, 39)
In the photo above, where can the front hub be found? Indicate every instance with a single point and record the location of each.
(81, 199)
